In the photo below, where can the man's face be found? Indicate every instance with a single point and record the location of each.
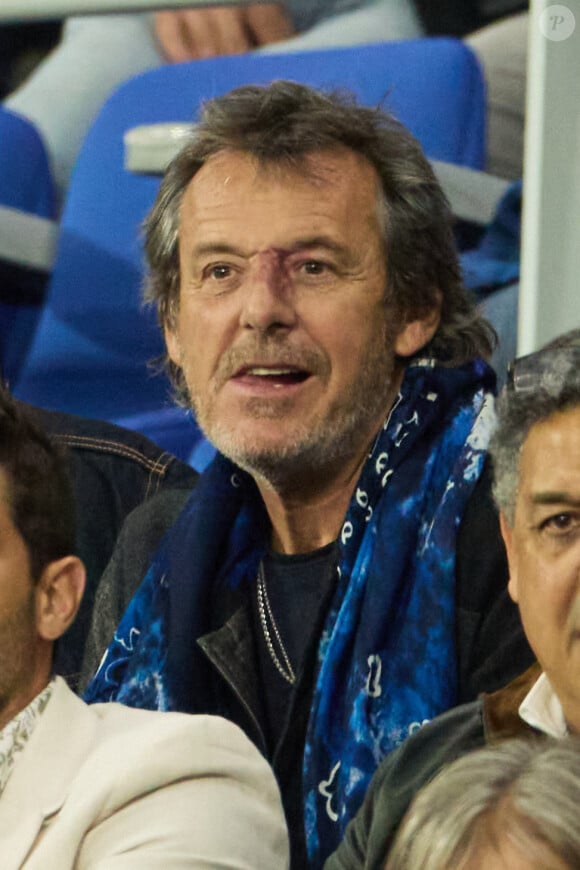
(544, 552)
(283, 332)
(18, 635)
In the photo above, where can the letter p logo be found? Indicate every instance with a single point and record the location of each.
(557, 23)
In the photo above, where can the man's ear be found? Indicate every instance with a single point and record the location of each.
(58, 596)
(415, 334)
(508, 539)
(172, 343)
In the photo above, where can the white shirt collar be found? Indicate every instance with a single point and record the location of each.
(15, 735)
(542, 710)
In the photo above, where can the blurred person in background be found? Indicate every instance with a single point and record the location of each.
(98, 53)
(62, 97)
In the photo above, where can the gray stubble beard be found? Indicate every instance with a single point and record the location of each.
(345, 432)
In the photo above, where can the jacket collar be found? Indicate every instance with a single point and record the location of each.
(501, 719)
(231, 650)
(39, 783)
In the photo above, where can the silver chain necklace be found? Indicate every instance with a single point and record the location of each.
(285, 669)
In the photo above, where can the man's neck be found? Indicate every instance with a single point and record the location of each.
(307, 510)
(16, 703)
(308, 515)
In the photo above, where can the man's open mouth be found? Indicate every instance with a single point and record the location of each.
(274, 374)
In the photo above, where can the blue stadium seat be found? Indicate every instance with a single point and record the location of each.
(92, 347)
(26, 189)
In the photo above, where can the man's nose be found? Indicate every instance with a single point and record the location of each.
(268, 298)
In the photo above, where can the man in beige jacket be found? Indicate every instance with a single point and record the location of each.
(102, 786)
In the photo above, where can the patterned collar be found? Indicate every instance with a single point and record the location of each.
(541, 709)
(15, 735)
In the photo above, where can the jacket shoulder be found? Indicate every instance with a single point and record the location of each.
(148, 789)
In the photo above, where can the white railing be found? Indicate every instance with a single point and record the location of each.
(14, 11)
(549, 301)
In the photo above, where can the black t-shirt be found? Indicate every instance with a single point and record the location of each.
(298, 589)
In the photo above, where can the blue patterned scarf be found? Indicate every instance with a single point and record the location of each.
(387, 657)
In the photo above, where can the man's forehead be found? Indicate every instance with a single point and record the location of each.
(550, 458)
(551, 432)
(234, 201)
(322, 168)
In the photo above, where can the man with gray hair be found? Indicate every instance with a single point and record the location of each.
(536, 457)
(319, 586)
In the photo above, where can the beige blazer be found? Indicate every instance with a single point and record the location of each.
(112, 788)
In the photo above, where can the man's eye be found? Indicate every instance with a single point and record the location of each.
(561, 523)
(218, 278)
(314, 267)
(220, 271)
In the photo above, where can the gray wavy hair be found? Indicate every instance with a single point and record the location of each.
(522, 791)
(282, 124)
(553, 385)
